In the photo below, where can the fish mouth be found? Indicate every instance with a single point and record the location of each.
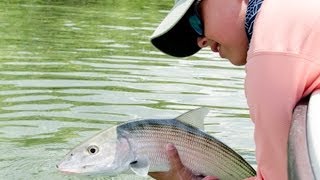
(83, 170)
(68, 171)
(88, 170)
(65, 170)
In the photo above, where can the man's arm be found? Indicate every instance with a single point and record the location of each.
(275, 82)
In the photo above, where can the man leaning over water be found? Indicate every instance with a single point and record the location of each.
(277, 41)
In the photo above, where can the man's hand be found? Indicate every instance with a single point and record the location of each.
(178, 171)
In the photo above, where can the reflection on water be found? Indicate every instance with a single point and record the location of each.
(71, 68)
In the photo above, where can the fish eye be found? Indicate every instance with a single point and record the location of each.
(93, 149)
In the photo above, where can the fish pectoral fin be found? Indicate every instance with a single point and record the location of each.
(141, 166)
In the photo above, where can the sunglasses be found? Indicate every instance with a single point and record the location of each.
(195, 20)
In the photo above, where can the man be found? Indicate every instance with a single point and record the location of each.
(277, 41)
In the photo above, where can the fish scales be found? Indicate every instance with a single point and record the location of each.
(208, 139)
(194, 161)
(139, 147)
(167, 136)
(195, 144)
(206, 154)
(192, 140)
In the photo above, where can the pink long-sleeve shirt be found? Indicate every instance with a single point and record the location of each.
(283, 65)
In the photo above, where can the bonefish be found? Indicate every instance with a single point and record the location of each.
(139, 147)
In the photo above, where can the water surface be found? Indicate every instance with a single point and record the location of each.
(72, 68)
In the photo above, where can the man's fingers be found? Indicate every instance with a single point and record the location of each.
(158, 175)
(210, 178)
(174, 159)
(177, 170)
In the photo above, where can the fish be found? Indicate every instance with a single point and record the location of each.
(138, 147)
(303, 142)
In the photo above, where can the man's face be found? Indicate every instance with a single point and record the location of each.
(224, 28)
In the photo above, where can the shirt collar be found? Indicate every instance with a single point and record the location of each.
(252, 11)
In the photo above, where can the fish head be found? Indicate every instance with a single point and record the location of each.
(109, 152)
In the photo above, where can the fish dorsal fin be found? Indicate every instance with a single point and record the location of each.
(141, 166)
(194, 117)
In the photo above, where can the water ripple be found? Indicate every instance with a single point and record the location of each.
(70, 69)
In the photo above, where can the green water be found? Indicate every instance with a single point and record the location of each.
(69, 68)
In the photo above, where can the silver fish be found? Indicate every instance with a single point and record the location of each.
(139, 147)
(304, 143)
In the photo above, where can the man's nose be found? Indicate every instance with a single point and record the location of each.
(202, 42)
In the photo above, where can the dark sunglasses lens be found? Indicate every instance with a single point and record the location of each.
(196, 24)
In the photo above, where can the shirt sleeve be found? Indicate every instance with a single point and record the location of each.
(274, 83)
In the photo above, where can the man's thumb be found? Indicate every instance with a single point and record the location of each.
(174, 159)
